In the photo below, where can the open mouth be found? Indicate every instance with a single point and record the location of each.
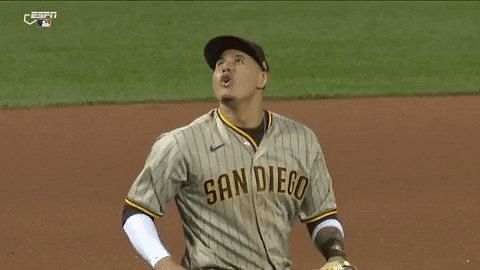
(226, 80)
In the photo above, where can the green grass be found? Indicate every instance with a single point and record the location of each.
(153, 51)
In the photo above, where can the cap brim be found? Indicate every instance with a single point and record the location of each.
(216, 46)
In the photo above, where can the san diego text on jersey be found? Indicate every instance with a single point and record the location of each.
(271, 179)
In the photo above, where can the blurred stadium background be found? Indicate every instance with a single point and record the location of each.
(124, 52)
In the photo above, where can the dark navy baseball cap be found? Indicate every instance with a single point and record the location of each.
(217, 45)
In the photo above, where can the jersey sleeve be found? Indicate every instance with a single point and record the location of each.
(319, 202)
(164, 172)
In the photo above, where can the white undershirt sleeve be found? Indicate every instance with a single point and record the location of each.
(143, 235)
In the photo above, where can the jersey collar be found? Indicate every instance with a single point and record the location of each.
(241, 132)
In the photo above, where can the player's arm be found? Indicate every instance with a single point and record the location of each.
(144, 237)
(318, 212)
(328, 236)
(164, 173)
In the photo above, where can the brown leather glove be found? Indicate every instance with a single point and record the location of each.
(338, 263)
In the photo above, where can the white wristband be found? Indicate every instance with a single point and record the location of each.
(143, 235)
(331, 222)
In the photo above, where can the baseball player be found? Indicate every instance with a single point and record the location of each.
(240, 175)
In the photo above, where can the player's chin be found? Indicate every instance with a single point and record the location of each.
(227, 99)
(225, 95)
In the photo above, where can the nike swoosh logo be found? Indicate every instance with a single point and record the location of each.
(215, 148)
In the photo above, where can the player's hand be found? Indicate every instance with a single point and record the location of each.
(167, 264)
(338, 263)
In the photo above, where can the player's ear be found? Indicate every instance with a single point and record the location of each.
(262, 80)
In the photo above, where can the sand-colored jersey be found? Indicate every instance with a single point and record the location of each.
(238, 200)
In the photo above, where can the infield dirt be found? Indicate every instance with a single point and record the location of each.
(406, 175)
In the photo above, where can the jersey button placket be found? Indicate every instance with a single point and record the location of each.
(247, 144)
(263, 232)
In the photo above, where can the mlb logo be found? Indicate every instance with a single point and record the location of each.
(40, 18)
(44, 23)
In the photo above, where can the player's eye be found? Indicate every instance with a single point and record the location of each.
(239, 61)
(219, 63)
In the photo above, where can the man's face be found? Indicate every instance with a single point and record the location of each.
(237, 77)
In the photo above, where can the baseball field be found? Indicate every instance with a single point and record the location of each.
(390, 88)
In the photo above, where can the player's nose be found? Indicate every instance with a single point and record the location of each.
(227, 66)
